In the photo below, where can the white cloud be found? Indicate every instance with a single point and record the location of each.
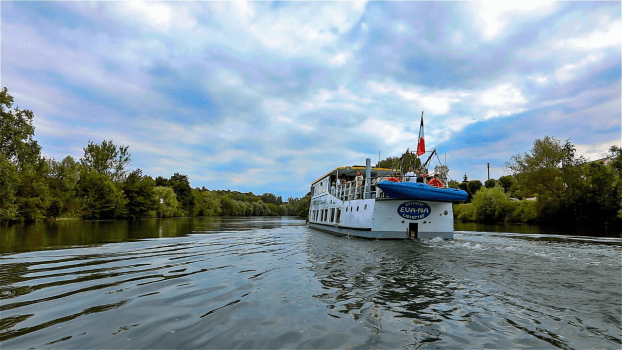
(436, 102)
(495, 16)
(504, 100)
(340, 59)
(158, 16)
(571, 70)
(597, 150)
(610, 36)
(391, 132)
(298, 30)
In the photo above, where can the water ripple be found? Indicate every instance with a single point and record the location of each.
(277, 284)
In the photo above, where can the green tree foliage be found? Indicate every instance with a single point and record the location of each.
(100, 197)
(506, 182)
(107, 159)
(162, 182)
(64, 180)
(470, 188)
(8, 189)
(543, 170)
(181, 185)
(408, 159)
(490, 183)
(270, 198)
(141, 200)
(8, 182)
(299, 206)
(493, 206)
(474, 186)
(167, 205)
(490, 205)
(33, 193)
(590, 201)
(206, 203)
(464, 186)
(33, 196)
(453, 184)
(17, 144)
(389, 163)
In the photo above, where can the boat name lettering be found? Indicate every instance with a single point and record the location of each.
(414, 210)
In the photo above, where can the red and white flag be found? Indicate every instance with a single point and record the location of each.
(421, 145)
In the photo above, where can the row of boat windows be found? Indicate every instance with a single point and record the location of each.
(325, 214)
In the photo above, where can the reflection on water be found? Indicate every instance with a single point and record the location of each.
(45, 235)
(273, 283)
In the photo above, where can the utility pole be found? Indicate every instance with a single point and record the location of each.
(488, 171)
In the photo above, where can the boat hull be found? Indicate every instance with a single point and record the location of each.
(369, 234)
(419, 191)
(382, 218)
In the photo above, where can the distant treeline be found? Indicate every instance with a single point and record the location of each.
(551, 186)
(100, 186)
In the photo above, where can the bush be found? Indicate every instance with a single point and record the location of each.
(524, 211)
(490, 205)
(463, 212)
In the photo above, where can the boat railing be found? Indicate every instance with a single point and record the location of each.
(350, 190)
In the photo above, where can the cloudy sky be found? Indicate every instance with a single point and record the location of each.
(267, 96)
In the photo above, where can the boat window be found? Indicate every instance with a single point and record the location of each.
(357, 208)
(365, 207)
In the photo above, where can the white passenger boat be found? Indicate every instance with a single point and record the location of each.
(366, 211)
(379, 205)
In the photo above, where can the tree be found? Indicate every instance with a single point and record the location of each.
(162, 182)
(545, 168)
(100, 197)
(464, 186)
(453, 184)
(615, 154)
(465, 178)
(270, 198)
(180, 184)
(490, 183)
(107, 159)
(409, 160)
(506, 182)
(67, 174)
(138, 190)
(168, 205)
(8, 188)
(16, 133)
(473, 186)
(33, 196)
(389, 163)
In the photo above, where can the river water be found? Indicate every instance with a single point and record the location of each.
(272, 283)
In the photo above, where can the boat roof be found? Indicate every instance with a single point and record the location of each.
(351, 171)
